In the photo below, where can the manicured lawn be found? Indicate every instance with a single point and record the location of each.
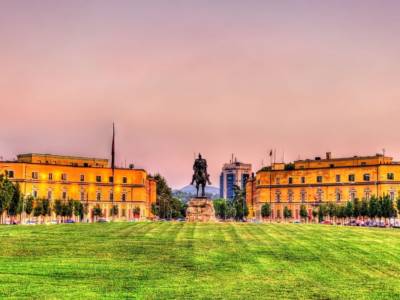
(181, 260)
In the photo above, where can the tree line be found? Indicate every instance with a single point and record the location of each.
(167, 207)
(382, 207)
(234, 208)
(14, 204)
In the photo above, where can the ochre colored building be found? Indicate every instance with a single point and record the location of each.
(311, 182)
(86, 179)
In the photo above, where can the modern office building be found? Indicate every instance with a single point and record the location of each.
(314, 181)
(89, 180)
(233, 173)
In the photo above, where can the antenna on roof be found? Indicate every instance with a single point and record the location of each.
(383, 151)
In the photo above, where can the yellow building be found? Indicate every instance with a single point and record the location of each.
(311, 182)
(89, 180)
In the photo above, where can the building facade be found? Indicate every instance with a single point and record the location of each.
(311, 182)
(89, 180)
(233, 173)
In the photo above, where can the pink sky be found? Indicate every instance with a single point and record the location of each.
(219, 77)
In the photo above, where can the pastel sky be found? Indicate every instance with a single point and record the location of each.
(219, 77)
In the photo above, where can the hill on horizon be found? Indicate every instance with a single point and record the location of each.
(191, 189)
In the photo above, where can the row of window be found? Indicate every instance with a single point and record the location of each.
(319, 195)
(338, 178)
(64, 177)
(83, 195)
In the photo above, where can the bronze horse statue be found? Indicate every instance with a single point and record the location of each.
(200, 176)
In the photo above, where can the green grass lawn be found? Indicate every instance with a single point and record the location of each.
(183, 260)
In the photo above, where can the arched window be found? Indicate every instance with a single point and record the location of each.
(319, 195)
(82, 194)
(98, 196)
(278, 196)
(303, 196)
(64, 194)
(290, 196)
(367, 194)
(338, 195)
(353, 194)
(392, 194)
(123, 196)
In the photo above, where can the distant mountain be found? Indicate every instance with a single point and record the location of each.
(189, 191)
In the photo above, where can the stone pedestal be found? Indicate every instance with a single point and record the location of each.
(200, 210)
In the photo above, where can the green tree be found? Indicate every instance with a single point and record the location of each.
(303, 212)
(398, 204)
(380, 208)
(58, 208)
(15, 205)
(46, 208)
(364, 208)
(349, 210)
(341, 213)
(220, 207)
(155, 209)
(68, 209)
(373, 208)
(38, 209)
(314, 213)
(136, 211)
(356, 208)
(239, 203)
(176, 207)
(320, 213)
(266, 210)
(97, 212)
(287, 213)
(114, 210)
(231, 209)
(29, 206)
(388, 210)
(331, 209)
(6, 195)
(78, 210)
(164, 197)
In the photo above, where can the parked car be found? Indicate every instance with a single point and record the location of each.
(326, 222)
(31, 222)
(102, 220)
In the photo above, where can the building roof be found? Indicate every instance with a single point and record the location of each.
(60, 156)
(344, 158)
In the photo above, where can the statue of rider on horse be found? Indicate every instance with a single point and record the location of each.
(200, 176)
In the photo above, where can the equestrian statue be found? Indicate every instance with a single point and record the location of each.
(200, 176)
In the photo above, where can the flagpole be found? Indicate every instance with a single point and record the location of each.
(113, 172)
(270, 187)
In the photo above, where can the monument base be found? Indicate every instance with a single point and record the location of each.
(200, 209)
